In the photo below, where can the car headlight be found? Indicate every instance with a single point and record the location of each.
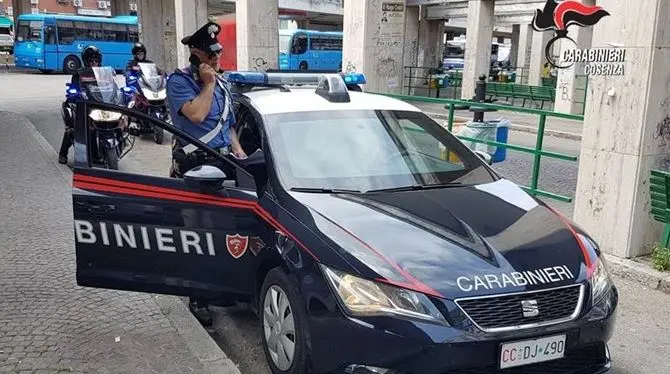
(600, 281)
(362, 297)
(104, 115)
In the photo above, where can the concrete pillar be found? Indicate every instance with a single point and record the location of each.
(431, 43)
(569, 88)
(19, 7)
(514, 48)
(537, 57)
(158, 32)
(478, 44)
(626, 129)
(257, 30)
(523, 54)
(193, 15)
(119, 8)
(374, 34)
(411, 49)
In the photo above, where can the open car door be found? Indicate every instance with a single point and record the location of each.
(152, 233)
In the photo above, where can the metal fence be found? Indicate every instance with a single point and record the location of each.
(537, 152)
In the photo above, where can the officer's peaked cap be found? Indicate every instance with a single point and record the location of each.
(205, 38)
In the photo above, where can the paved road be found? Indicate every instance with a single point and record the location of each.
(642, 339)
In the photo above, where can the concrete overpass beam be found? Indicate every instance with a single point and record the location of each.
(257, 29)
(374, 39)
(626, 127)
(479, 35)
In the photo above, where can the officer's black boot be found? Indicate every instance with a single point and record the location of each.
(201, 311)
(65, 147)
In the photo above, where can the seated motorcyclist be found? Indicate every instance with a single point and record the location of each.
(139, 56)
(91, 57)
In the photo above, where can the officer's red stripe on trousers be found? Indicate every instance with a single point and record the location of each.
(87, 182)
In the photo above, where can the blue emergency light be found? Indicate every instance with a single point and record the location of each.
(255, 78)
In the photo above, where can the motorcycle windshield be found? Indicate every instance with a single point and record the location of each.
(99, 84)
(151, 77)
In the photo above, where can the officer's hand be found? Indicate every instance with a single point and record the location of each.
(207, 74)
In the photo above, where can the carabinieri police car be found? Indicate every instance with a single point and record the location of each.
(367, 237)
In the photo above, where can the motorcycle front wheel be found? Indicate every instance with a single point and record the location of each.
(158, 135)
(111, 158)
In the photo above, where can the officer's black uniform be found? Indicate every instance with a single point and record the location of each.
(87, 55)
(205, 40)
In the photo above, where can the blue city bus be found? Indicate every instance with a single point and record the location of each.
(310, 50)
(54, 42)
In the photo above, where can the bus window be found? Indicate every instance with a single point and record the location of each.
(133, 33)
(299, 45)
(30, 30)
(65, 32)
(50, 35)
(112, 32)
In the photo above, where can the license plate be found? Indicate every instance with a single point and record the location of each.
(532, 351)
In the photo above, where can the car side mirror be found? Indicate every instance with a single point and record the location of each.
(205, 178)
(485, 156)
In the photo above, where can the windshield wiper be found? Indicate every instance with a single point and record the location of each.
(324, 190)
(417, 187)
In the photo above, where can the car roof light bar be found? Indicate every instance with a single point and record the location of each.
(255, 78)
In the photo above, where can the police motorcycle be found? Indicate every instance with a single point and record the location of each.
(107, 131)
(150, 88)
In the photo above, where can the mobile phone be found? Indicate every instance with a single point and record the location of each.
(195, 64)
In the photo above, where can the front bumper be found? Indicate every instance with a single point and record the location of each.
(405, 347)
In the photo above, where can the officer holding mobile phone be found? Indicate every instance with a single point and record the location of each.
(200, 104)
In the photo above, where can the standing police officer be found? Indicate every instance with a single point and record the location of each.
(201, 105)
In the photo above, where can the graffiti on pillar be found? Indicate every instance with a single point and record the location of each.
(565, 92)
(385, 67)
(259, 64)
(663, 131)
(351, 67)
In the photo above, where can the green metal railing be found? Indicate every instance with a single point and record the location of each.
(538, 152)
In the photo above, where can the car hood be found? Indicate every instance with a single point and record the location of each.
(452, 242)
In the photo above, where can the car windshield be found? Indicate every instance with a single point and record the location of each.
(366, 150)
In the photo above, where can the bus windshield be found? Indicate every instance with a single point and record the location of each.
(29, 30)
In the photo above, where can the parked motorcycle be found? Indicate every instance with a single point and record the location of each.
(149, 85)
(108, 138)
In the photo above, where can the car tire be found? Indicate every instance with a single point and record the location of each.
(71, 64)
(277, 286)
(303, 65)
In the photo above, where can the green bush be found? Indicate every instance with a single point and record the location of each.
(660, 257)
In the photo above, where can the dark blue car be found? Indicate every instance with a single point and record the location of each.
(367, 237)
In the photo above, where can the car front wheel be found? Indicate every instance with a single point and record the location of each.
(283, 324)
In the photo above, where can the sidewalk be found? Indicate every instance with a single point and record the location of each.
(48, 324)
(558, 127)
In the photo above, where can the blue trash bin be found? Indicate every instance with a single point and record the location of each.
(502, 133)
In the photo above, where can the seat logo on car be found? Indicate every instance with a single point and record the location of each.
(530, 308)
